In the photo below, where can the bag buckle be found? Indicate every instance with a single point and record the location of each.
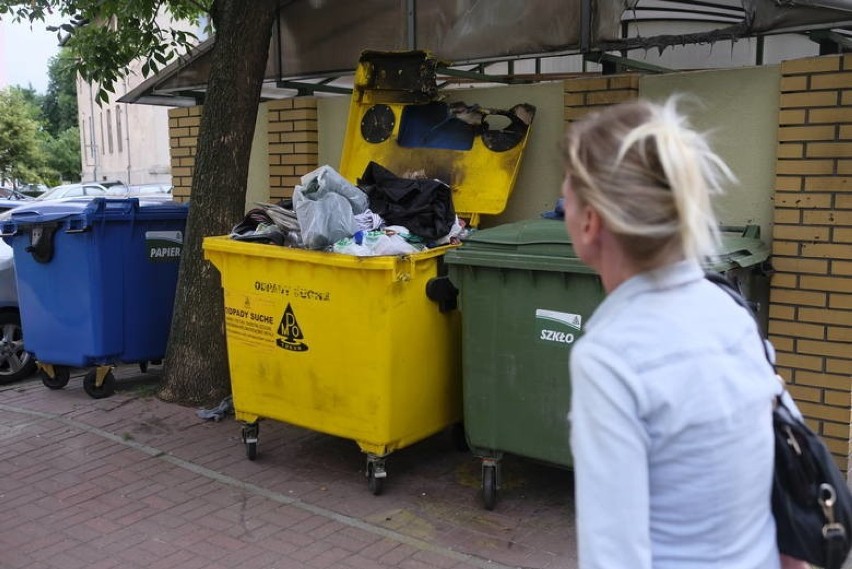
(827, 499)
(791, 440)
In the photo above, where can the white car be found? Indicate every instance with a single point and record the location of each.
(73, 191)
(15, 362)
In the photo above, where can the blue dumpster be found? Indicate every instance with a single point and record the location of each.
(96, 283)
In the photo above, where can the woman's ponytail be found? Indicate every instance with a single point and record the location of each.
(650, 176)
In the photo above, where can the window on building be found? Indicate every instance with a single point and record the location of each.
(109, 129)
(118, 136)
(103, 138)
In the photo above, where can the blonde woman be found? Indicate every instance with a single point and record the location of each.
(672, 395)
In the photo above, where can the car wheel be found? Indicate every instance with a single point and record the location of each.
(15, 362)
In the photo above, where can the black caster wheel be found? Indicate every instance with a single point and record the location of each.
(489, 486)
(250, 436)
(143, 367)
(60, 378)
(251, 450)
(106, 389)
(376, 485)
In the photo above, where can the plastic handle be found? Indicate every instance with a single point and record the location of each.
(26, 215)
(101, 205)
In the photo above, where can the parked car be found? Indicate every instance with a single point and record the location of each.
(15, 362)
(32, 190)
(141, 190)
(73, 191)
(7, 193)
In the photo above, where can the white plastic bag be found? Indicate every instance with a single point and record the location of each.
(375, 244)
(326, 205)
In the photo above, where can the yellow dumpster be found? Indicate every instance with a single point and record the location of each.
(354, 346)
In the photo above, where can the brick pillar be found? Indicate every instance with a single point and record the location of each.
(293, 136)
(811, 294)
(183, 141)
(584, 94)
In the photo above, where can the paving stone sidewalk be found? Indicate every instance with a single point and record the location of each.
(133, 482)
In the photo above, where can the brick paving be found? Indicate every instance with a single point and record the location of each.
(133, 482)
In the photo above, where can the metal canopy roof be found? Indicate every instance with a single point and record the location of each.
(316, 43)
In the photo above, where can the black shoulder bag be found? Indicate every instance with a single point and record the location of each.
(811, 502)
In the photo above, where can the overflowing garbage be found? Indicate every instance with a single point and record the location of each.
(355, 279)
(383, 214)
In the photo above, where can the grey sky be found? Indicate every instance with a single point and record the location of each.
(24, 54)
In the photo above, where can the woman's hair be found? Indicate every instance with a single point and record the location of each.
(649, 176)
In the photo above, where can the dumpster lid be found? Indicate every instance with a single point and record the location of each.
(740, 247)
(397, 119)
(85, 211)
(521, 233)
(537, 244)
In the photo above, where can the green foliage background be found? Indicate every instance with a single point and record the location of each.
(39, 135)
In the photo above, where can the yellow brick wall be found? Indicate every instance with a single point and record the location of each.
(183, 139)
(811, 294)
(292, 137)
(587, 93)
(293, 146)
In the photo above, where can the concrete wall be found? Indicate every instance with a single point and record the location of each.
(738, 108)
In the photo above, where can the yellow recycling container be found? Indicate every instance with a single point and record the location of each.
(354, 346)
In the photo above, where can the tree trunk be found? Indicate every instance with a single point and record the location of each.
(196, 363)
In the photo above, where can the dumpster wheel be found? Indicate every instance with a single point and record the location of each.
(107, 386)
(54, 377)
(489, 486)
(376, 474)
(250, 434)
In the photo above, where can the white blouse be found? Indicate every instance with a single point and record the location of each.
(671, 429)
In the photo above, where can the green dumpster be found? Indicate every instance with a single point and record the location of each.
(524, 298)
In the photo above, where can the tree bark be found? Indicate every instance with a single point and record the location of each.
(196, 363)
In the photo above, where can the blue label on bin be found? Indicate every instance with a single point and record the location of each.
(557, 327)
(164, 246)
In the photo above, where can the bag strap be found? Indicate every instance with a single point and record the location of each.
(735, 293)
(833, 533)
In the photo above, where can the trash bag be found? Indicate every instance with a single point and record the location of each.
(326, 205)
(424, 206)
(378, 243)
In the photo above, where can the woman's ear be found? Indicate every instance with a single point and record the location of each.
(591, 225)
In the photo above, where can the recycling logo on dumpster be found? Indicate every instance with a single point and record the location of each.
(290, 333)
(557, 327)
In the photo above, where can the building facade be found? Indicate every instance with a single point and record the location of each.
(119, 141)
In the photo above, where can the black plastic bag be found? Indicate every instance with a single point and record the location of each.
(423, 206)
